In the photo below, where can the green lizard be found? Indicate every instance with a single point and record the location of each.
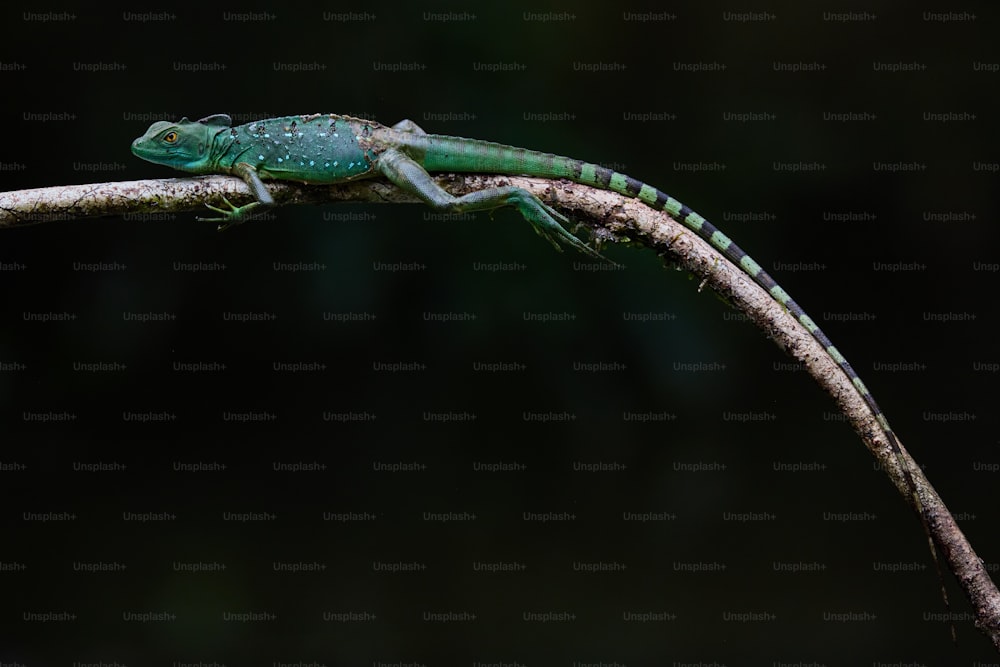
(327, 148)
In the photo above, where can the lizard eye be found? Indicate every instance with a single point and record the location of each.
(170, 137)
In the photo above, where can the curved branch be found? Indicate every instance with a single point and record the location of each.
(608, 216)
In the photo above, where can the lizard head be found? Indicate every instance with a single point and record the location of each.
(184, 145)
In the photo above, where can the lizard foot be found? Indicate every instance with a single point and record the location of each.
(232, 216)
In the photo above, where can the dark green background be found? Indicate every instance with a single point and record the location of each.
(104, 106)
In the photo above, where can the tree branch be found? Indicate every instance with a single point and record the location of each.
(608, 216)
(139, 199)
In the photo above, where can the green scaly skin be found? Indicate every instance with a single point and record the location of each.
(328, 148)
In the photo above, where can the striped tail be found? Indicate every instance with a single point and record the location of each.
(597, 176)
(445, 153)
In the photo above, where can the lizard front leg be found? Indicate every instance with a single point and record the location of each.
(235, 215)
(548, 223)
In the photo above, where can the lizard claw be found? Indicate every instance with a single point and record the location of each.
(552, 227)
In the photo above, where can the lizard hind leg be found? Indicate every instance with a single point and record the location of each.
(548, 223)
